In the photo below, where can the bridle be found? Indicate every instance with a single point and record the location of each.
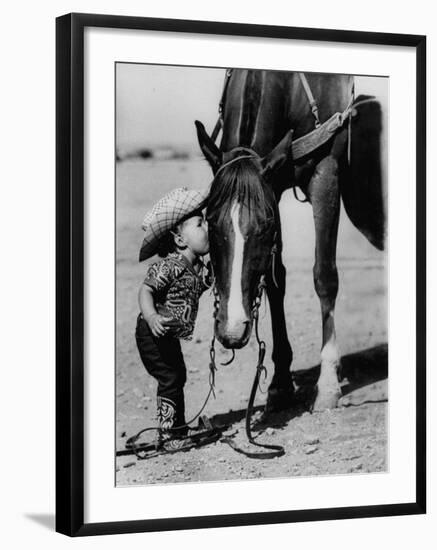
(250, 154)
(261, 371)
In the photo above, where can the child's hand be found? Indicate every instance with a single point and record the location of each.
(156, 323)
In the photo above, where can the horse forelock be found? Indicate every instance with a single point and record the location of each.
(241, 182)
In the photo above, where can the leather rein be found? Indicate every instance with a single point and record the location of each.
(260, 371)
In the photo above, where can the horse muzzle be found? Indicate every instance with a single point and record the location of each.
(234, 336)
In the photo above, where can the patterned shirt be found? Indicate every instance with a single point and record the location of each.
(177, 288)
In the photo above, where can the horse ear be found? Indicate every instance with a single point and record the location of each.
(280, 154)
(212, 153)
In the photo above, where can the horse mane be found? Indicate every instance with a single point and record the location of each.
(240, 181)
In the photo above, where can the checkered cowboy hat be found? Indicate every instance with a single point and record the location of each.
(167, 213)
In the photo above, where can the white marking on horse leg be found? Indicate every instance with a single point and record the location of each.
(236, 314)
(330, 360)
(328, 388)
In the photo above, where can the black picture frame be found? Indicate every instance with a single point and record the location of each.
(70, 273)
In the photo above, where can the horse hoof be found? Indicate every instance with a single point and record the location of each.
(279, 400)
(326, 400)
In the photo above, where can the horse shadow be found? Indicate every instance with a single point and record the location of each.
(360, 374)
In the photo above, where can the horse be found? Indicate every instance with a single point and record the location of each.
(264, 113)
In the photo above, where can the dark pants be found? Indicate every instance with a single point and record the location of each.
(162, 357)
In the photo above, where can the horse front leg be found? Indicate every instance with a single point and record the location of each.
(323, 191)
(281, 389)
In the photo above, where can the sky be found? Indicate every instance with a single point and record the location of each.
(157, 105)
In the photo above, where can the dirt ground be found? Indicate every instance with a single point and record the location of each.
(349, 439)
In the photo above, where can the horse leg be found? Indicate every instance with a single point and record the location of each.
(281, 389)
(324, 194)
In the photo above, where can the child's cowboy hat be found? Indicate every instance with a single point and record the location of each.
(167, 213)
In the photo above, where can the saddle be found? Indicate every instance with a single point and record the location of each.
(322, 132)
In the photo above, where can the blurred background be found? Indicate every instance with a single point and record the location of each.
(157, 104)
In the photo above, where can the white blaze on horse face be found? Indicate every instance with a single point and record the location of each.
(236, 315)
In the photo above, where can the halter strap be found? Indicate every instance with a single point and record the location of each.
(311, 100)
(251, 155)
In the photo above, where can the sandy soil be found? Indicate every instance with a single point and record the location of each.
(349, 439)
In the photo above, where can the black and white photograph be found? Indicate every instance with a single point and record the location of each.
(218, 275)
(251, 274)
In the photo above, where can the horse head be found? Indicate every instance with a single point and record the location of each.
(243, 222)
